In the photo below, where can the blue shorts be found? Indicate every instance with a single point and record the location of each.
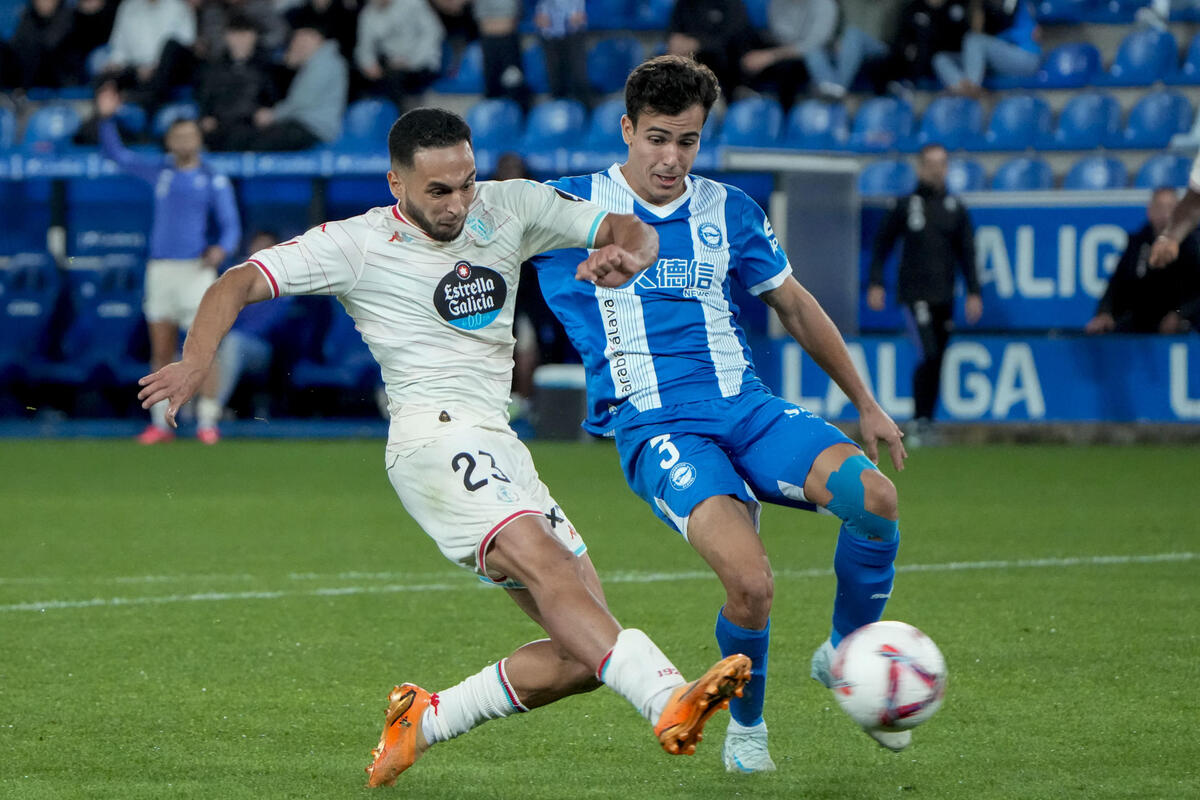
(755, 446)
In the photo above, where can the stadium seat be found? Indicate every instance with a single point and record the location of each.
(887, 179)
(277, 204)
(649, 15)
(882, 123)
(817, 125)
(1023, 174)
(1188, 72)
(604, 128)
(25, 209)
(344, 362)
(1155, 119)
(951, 122)
(1095, 173)
(1069, 66)
(365, 126)
(28, 293)
(1163, 169)
(610, 61)
(8, 129)
(1115, 12)
(496, 123)
(10, 17)
(464, 76)
(108, 214)
(51, 127)
(1145, 57)
(553, 124)
(757, 11)
(1062, 11)
(1017, 122)
(965, 175)
(1089, 120)
(171, 113)
(753, 122)
(603, 15)
(533, 62)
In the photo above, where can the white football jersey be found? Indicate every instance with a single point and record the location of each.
(437, 316)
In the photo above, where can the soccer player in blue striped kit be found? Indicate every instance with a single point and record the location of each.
(670, 376)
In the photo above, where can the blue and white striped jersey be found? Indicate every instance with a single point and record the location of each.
(669, 336)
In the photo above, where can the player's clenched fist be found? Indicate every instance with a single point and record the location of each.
(610, 266)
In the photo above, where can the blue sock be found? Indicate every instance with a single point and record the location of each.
(864, 581)
(747, 709)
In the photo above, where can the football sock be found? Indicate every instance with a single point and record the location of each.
(208, 412)
(158, 415)
(638, 671)
(737, 727)
(483, 696)
(864, 581)
(732, 639)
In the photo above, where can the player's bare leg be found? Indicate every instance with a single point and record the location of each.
(164, 341)
(722, 530)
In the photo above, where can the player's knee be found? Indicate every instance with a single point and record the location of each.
(749, 597)
(879, 495)
(864, 499)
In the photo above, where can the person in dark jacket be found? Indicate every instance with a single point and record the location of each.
(36, 46)
(234, 85)
(937, 238)
(1142, 298)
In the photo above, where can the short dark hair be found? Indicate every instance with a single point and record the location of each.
(669, 85)
(425, 128)
(240, 22)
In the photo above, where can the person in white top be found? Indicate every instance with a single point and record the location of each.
(431, 284)
(150, 49)
(1183, 221)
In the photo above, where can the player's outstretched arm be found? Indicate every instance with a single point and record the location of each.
(220, 306)
(803, 317)
(1184, 219)
(624, 247)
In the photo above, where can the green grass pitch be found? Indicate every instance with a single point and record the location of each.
(225, 622)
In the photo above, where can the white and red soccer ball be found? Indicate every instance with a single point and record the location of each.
(889, 676)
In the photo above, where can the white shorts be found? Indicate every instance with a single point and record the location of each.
(174, 288)
(464, 482)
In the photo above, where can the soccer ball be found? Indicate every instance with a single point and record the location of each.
(889, 676)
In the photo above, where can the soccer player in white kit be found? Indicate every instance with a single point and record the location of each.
(431, 284)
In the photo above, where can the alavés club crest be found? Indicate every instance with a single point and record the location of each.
(470, 297)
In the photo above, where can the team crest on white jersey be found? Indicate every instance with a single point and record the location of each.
(470, 297)
(710, 235)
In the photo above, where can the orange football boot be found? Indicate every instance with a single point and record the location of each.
(402, 742)
(682, 721)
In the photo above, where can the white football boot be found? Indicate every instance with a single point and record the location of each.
(745, 749)
(822, 673)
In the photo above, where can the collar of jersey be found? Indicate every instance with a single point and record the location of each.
(662, 212)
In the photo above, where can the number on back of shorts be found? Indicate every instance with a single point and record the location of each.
(670, 452)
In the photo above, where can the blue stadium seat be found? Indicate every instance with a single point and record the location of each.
(604, 128)
(8, 129)
(753, 122)
(1023, 174)
(465, 76)
(610, 61)
(817, 125)
(951, 122)
(1145, 57)
(603, 15)
(1096, 173)
(650, 15)
(1155, 119)
(50, 128)
(1164, 169)
(1115, 12)
(882, 123)
(554, 124)
(109, 214)
(757, 11)
(365, 126)
(1017, 122)
(965, 175)
(277, 204)
(533, 62)
(1188, 72)
(171, 113)
(29, 287)
(1063, 11)
(496, 124)
(344, 361)
(887, 179)
(1069, 66)
(10, 17)
(1089, 120)
(25, 209)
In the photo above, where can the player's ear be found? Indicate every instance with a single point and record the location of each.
(628, 129)
(395, 184)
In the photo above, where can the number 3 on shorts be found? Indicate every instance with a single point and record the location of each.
(669, 451)
(467, 460)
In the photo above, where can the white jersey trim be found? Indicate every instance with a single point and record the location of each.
(774, 282)
(662, 212)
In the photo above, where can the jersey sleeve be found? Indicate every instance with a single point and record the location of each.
(759, 263)
(553, 219)
(328, 259)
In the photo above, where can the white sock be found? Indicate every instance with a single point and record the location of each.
(158, 415)
(483, 696)
(737, 727)
(208, 412)
(638, 671)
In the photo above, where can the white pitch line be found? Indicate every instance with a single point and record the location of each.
(608, 578)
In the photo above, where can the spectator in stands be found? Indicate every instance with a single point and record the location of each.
(1003, 40)
(459, 22)
(213, 17)
(187, 197)
(149, 51)
(503, 73)
(866, 27)
(312, 110)
(34, 56)
(399, 48)
(91, 28)
(233, 86)
(1143, 298)
(797, 29)
(925, 27)
(937, 237)
(335, 19)
(561, 25)
(717, 33)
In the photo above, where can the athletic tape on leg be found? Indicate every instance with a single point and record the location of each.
(847, 488)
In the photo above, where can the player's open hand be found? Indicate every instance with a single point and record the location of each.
(1164, 251)
(610, 266)
(176, 383)
(875, 425)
